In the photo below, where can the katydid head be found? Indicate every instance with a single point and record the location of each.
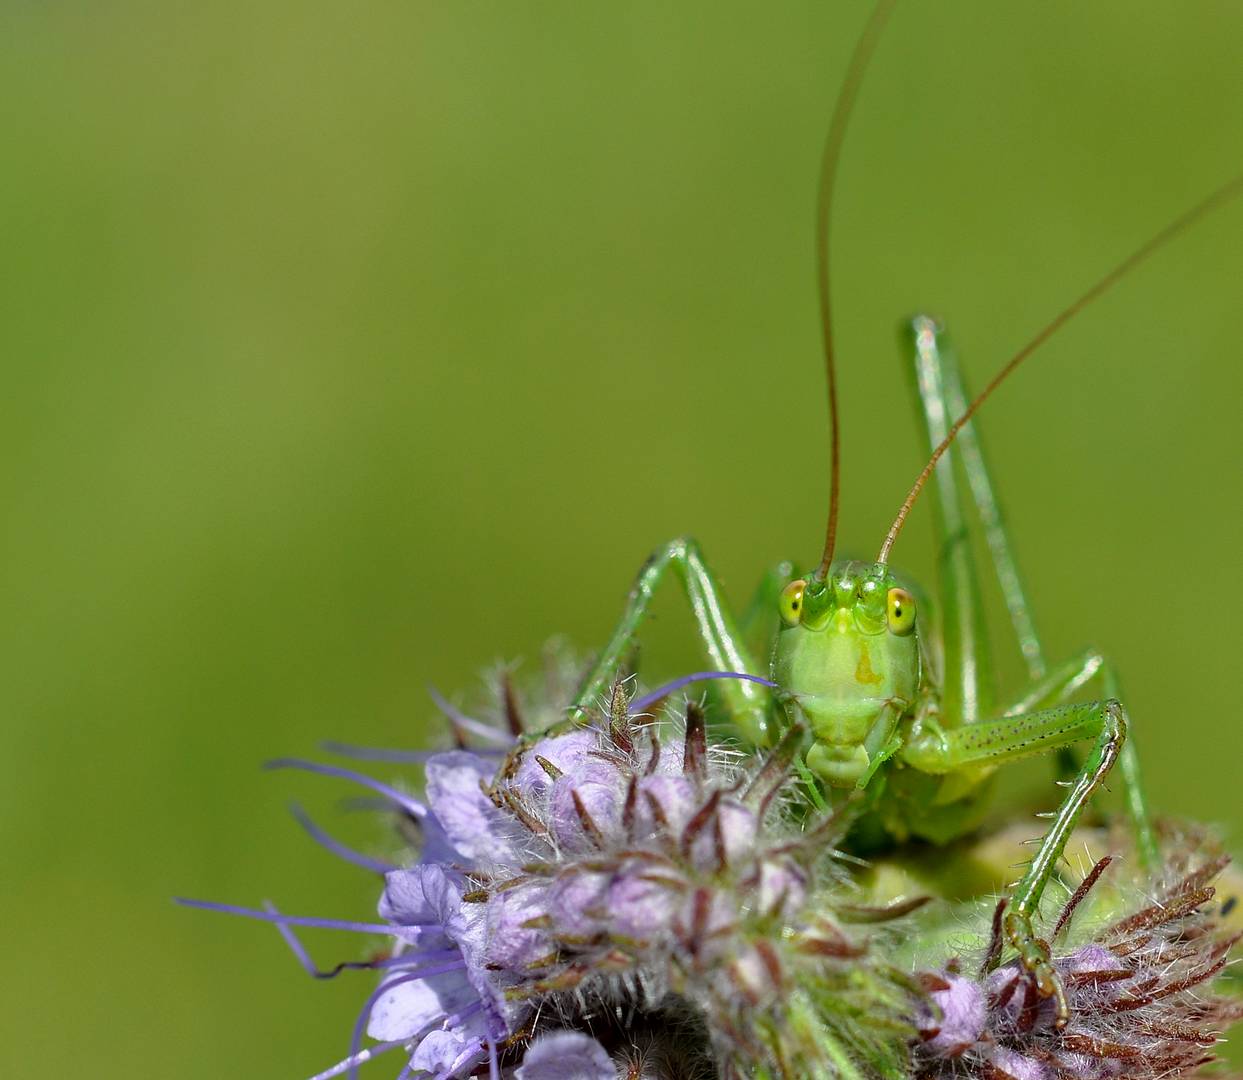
(847, 656)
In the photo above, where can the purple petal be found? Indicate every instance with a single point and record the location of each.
(566, 753)
(425, 895)
(430, 894)
(437, 1051)
(468, 1058)
(782, 886)
(474, 826)
(404, 1009)
(585, 803)
(566, 1055)
(665, 803)
(640, 908)
(472, 939)
(964, 1013)
(738, 827)
(1091, 957)
(511, 944)
(414, 978)
(576, 902)
(441, 1050)
(1012, 1063)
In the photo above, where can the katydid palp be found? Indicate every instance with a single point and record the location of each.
(904, 721)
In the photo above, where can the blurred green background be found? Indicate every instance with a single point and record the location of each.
(349, 348)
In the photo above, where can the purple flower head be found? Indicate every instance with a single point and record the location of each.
(625, 868)
(627, 899)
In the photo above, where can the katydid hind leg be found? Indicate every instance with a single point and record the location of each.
(1133, 782)
(748, 704)
(944, 397)
(964, 639)
(933, 348)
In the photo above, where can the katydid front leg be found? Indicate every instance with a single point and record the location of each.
(1009, 739)
(748, 704)
(760, 619)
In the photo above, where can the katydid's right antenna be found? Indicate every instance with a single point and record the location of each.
(863, 50)
(1219, 197)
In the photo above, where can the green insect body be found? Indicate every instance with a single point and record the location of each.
(853, 667)
(898, 716)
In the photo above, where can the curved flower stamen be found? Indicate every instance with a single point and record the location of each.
(630, 898)
(406, 802)
(396, 757)
(642, 704)
(377, 866)
(288, 920)
(354, 1060)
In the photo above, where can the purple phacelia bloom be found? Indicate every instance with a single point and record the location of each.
(628, 900)
(578, 898)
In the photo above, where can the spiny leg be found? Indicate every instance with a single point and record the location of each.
(965, 684)
(944, 397)
(937, 371)
(1009, 739)
(1063, 682)
(748, 704)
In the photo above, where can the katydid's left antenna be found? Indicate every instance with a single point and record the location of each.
(864, 47)
(1174, 229)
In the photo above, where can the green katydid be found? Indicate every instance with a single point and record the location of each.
(850, 665)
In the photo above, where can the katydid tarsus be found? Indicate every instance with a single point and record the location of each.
(853, 665)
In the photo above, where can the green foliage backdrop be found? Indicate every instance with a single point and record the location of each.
(349, 348)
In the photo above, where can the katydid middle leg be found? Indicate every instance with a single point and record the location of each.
(1011, 738)
(943, 397)
(1058, 686)
(748, 704)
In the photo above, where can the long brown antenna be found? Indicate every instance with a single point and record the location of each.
(1222, 195)
(864, 48)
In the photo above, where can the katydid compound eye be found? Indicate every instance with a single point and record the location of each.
(900, 612)
(791, 602)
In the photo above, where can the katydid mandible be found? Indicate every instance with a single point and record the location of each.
(852, 666)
